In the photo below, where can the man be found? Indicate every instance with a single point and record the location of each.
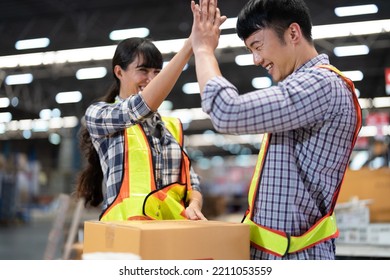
(310, 121)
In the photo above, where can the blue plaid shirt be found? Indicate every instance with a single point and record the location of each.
(312, 119)
(106, 123)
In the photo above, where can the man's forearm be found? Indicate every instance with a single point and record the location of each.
(206, 68)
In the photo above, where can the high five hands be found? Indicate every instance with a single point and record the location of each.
(206, 25)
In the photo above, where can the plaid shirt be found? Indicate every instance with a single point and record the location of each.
(106, 123)
(312, 119)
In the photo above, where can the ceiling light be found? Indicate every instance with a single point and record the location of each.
(244, 59)
(91, 73)
(19, 79)
(351, 50)
(261, 82)
(169, 46)
(70, 121)
(351, 29)
(381, 102)
(4, 102)
(25, 124)
(191, 88)
(45, 114)
(54, 138)
(165, 63)
(122, 34)
(40, 125)
(5, 117)
(32, 43)
(357, 92)
(354, 75)
(230, 23)
(356, 10)
(365, 103)
(68, 97)
(172, 46)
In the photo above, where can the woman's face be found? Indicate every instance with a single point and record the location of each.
(135, 77)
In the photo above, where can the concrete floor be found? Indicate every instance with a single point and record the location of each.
(43, 235)
(24, 241)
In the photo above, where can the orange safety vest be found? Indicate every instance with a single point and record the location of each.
(280, 243)
(138, 198)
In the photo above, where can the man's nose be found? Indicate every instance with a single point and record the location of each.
(257, 59)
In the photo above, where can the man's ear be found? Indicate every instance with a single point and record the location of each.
(294, 32)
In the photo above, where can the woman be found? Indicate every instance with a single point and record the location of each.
(136, 153)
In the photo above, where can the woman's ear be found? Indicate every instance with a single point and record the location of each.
(118, 71)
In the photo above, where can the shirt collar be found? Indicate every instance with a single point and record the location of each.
(318, 60)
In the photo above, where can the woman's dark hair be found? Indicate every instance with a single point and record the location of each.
(274, 14)
(89, 183)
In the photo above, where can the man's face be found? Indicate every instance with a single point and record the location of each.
(271, 53)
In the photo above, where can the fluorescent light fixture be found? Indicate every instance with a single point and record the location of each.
(368, 131)
(121, 34)
(70, 121)
(40, 125)
(54, 138)
(68, 97)
(4, 102)
(165, 63)
(357, 92)
(19, 79)
(26, 134)
(166, 105)
(381, 102)
(355, 75)
(84, 54)
(55, 113)
(351, 50)
(261, 82)
(5, 117)
(25, 124)
(91, 73)
(365, 103)
(356, 10)
(32, 43)
(45, 114)
(351, 29)
(230, 23)
(171, 46)
(14, 101)
(230, 41)
(191, 88)
(244, 59)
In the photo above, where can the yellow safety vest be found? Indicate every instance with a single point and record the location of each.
(138, 198)
(280, 243)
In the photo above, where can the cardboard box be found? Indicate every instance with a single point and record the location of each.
(366, 184)
(169, 240)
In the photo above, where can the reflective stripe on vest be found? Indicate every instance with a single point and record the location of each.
(280, 243)
(138, 198)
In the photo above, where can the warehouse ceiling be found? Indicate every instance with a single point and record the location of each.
(72, 24)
